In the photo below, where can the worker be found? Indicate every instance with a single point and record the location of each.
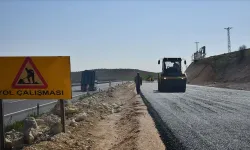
(138, 83)
(30, 74)
(175, 65)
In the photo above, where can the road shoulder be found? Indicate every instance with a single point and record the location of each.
(120, 121)
(132, 128)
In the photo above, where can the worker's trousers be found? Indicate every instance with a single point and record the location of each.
(138, 89)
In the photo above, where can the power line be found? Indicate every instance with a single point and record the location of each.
(228, 36)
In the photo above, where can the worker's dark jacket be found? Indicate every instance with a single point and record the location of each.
(138, 81)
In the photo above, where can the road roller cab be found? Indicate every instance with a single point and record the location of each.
(172, 79)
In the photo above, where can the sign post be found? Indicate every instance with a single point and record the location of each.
(62, 109)
(31, 78)
(2, 138)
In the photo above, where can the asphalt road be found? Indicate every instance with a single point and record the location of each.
(11, 106)
(204, 117)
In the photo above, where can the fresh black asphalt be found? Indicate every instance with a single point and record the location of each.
(204, 118)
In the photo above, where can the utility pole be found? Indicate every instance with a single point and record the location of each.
(228, 36)
(196, 45)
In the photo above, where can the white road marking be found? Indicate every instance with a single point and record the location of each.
(27, 109)
(15, 101)
(35, 106)
(40, 105)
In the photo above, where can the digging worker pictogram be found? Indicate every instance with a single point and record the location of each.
(138, 82)
(30, 74)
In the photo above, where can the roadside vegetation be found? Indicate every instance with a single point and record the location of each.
(18, 125)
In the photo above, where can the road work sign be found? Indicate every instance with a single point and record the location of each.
(35, 77)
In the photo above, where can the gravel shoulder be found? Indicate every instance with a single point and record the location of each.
(132, 128)
(231, 85)
(228, 85)
(117, 119)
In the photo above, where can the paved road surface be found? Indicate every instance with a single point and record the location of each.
(11, 106)
(204, 117)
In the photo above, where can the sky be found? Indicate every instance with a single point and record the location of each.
(120, 34)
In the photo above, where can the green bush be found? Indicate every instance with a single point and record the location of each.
(17, 126)
(242, 47)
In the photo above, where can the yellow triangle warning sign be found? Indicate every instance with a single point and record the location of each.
(29, 77)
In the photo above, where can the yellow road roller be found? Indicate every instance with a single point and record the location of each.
(172, 79)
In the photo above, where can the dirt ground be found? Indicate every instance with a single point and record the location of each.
(129, 128)
(231, 70)
(133, 128)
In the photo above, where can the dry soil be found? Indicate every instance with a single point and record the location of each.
(129, 128)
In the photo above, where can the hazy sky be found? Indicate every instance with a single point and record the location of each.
(119, 34)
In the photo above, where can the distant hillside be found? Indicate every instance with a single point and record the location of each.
(113, 74)
(221, 69)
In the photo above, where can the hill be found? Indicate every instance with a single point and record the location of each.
(231, 70)
(113, 74)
